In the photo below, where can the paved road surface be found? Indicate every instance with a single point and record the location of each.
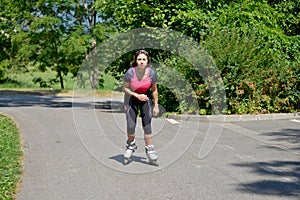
(74, 151)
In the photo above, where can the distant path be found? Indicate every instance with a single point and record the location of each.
(252, 160)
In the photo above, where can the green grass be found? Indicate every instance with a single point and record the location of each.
(24, 81)
(11, 156)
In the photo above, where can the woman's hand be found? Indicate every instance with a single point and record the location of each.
(142, 97)
(155, 110)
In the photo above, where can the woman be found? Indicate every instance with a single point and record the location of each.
(140, 87)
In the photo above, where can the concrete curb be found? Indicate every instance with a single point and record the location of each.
(235, 118)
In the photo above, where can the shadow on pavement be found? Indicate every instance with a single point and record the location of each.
(110, 106)
(277, 178)
(290, 135)
(24, 101)
(38, 100)
(33, 92)
(41, 100)
(120, 158)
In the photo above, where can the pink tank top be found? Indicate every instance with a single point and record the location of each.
(140, 86)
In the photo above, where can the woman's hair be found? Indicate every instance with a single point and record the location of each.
(134, 63)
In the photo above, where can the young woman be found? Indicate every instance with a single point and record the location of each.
(140, 87)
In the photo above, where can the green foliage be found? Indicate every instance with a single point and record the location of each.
(3, 74)
(10, 158)
(255, 45)
(289, 19)
(43, 83)
(259, 62)
(138, 13)
(168, 99)
(248, 41)
(193, 23)
(52, 34)
(25, 80)
(177, 88)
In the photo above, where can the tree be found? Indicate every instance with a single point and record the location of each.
(255, 43)
(59, 35)
(138, 14)
(257, 56)
(250, 41)
(97, 29)
(45, 34)
(11, 15)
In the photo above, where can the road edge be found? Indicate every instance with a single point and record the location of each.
(235, 118)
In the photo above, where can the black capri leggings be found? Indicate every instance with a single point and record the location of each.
(131, 109)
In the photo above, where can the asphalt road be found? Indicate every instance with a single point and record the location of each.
(74, 151)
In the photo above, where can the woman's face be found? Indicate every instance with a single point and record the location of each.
(142, 61)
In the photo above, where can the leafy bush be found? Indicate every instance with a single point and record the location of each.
(180, 85)
(256, 80)
(3, 74)
(255, 45)
(43, 83)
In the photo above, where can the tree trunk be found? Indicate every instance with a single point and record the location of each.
(61, 80)
(92, 67)
(95, 71)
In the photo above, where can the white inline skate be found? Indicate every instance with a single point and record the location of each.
(131, 147)
(151, 154)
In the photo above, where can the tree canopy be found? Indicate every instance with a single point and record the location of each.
(255, 44)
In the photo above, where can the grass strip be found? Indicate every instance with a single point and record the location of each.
(11, 156)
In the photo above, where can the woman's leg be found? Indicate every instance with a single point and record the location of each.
(130, 138)
(148, 139)
(146, 114)
(131, 117)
